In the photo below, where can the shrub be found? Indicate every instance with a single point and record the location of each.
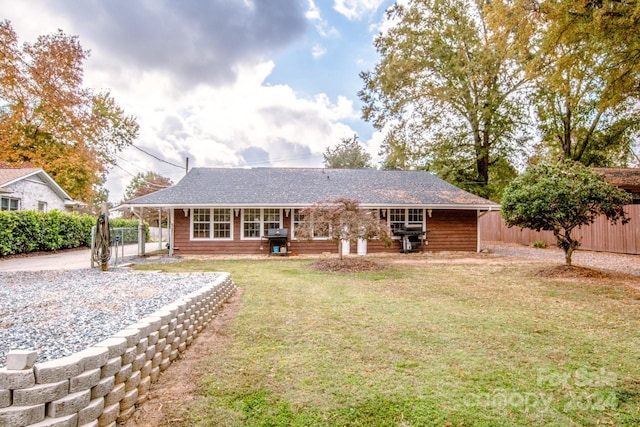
(541, 244)
(31, 231)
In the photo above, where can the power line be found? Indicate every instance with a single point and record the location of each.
(156, 157)
(152, 184)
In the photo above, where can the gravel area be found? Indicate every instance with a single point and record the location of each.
(59, 313)
(622, 263)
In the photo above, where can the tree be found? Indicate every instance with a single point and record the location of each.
(560, 197)
(147, 183)
(339, 220)
(450, 82)
(587, 109)
(349, 154)
(49, 120)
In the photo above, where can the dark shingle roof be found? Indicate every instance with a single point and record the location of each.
(302, 187)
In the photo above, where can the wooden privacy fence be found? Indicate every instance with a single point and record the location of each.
(599, 236)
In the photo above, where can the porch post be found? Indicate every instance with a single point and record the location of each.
(141, 234)
(171, 229)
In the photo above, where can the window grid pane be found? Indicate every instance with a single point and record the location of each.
(251, 223)
(396, 218)
(415, 216)
(222, 223)
(201, 225)
(271, 218)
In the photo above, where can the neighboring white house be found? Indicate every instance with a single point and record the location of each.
(32, 189)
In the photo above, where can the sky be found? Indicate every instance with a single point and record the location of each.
(224, 83)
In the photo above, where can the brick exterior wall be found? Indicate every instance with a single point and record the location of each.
(102, 385)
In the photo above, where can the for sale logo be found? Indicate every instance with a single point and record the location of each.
(582, 389)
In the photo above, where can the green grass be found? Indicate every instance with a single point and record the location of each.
(441, 343)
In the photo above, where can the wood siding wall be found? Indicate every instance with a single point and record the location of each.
(449, 230)
(599, 236)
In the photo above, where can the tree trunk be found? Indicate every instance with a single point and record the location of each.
(567, 255)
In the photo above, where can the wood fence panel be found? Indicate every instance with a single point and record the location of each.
(600, 236)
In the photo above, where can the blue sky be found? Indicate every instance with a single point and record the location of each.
(227, 83)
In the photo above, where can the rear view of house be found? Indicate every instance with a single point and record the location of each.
(238, 211)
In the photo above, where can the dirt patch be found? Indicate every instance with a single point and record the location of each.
(176, 388)
(589, 274)
(573, 272)
(346, 265)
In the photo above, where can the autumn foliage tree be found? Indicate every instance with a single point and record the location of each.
(561, 197)
(147, 183)
(447, 91)
(586, 71)
(49, 120)
(341, 220)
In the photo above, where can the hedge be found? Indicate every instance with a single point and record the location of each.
(30, 231)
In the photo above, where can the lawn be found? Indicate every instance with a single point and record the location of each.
(475, 340)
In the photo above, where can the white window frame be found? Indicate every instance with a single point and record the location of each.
(407, 214)
(211, 223)
(294, 222)
(42, 206)
(9, 200)
(261, 215)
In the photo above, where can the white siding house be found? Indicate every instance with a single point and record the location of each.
(32, 189)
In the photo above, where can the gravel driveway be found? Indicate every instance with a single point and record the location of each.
(621, 263)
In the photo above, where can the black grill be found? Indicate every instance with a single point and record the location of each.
(278, 239)
(277, 233)
(412, 238)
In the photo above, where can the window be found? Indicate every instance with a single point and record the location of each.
(397, 218)
(9, 204)
(271, 219)
(222, 223)
(256, 222)
(415, 216)
(211, 224)
(42, 206)
(201, 223)
(251, 223)
(320, 229)
(403, 217)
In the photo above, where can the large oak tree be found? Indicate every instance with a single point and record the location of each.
(586, 70)
(48, 119)
(447, 90)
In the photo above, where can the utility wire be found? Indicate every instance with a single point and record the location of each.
(156, 157)
(152, 184)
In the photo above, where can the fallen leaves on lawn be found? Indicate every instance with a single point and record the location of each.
(346, 265)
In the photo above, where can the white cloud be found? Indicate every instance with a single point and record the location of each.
(321, 25)
(356, 9)
(318, 51)
(246, 123)
(194, 92)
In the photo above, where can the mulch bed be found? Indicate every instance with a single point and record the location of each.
(573, 272)
(346, 265)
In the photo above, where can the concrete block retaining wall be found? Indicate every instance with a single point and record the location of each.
(102, 385)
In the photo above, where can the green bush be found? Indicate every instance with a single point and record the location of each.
(540, 244)
(31, 231)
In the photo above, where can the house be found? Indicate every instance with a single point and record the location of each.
(233, 211)
(627, 179)
(32, 189)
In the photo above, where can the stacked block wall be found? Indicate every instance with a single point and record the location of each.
(102, 385)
